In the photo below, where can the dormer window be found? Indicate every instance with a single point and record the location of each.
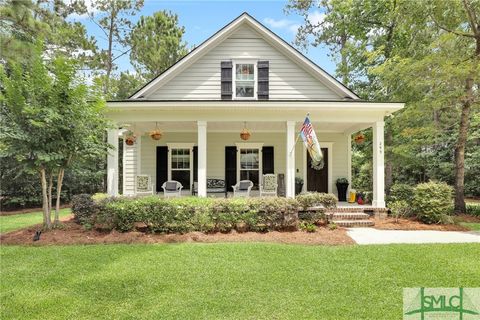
(245, 80)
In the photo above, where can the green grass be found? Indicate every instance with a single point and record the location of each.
(225, 281)
(18, 221)
(471, 225)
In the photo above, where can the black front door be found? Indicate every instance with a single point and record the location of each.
(317, 180)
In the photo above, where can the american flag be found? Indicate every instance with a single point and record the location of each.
(311, 143)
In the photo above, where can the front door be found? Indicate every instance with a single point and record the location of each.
(317, 180)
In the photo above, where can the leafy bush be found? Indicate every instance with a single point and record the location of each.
(311, 216)
(399, 209)
(401, 192)
(198, 214)
(473, 209)
(84, 209)
(332, 226)
(431, 200)
(307, 227)
(97, 197)
(311, 199)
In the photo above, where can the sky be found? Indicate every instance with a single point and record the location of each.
(201, 19)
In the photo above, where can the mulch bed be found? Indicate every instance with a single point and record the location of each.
(72, 233)
(411, 224)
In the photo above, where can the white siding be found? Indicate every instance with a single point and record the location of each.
(130, 167)
(201, 81)
(217, 141)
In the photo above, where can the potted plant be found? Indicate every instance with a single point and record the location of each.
(342, 186)
(130, 138)
(298, 185)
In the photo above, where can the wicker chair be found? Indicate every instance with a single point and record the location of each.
(269, 185)
(242, 188)
(143, 185)
(172, 188)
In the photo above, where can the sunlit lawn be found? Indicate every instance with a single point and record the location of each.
(225, 281)
(18, 221)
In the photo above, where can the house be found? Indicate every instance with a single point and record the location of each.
(243, 77)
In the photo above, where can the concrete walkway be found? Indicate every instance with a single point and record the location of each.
(375, 236)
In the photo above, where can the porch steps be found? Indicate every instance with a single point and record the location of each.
(351, 219)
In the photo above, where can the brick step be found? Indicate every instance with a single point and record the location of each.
(350, 216)
(354, 223)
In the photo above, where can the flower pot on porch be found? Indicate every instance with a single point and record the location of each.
(342, 191)
(298, 187)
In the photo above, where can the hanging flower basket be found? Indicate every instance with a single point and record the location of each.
(156, 134)
(359, 138)
(130, 138)
(245, 135)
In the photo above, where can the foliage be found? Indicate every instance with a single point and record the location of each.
(198, 214)
(98, 197)
(307, 226)
(400, 209)
(332, 226)
(312, 199)
(123, 86)
(84, 209)
(342, 181)
(401, 192)
(311, 216)
(298, 180)
(156, 43)
(431, 200)
(473, 209)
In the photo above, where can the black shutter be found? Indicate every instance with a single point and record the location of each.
(226, 80)
(162, 167)
(263, 87)
(267, 160)
(195, 163)
(230, 167)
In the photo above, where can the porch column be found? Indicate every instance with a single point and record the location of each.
(378, 165)
(290, 168)
(112, 163)
(202, 158)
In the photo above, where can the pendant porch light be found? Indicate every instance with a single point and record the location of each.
(245, 134)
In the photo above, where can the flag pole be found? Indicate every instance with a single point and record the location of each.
(298, 136)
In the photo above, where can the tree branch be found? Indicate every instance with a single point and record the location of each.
(471, 17)
(458, 33)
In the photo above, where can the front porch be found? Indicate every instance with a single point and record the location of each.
(197, 150)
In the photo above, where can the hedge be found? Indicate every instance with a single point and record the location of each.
(311, 199)
(191, 214)
(433, 202)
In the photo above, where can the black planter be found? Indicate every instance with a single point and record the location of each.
(298, 188)
(342, 191)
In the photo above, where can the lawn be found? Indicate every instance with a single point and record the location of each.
(225, 281)
(18, 221)
(475, 226)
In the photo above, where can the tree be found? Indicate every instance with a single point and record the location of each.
(48, 120)
(113, 19)
(125, 85)
(156, 43)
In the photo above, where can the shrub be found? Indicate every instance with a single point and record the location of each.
(311, 199)
(198, 214)
(307, 227)
(431, 200)
(98, 197)
(332, 226)
(312, 216)
(84, 209)
(401, 192)
(400, 208)
(473, 209)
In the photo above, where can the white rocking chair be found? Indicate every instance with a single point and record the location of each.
(269, 185)
(143, 185)
(242, 189)
(172, 188)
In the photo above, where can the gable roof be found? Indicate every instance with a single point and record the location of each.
(245, 19)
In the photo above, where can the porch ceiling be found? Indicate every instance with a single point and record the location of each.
(237, 126)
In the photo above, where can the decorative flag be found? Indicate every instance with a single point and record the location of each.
(311, 143)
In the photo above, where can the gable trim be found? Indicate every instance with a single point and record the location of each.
(269, 36)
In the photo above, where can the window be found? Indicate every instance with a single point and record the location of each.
(180, 166)
(245, 80)
(249, 162)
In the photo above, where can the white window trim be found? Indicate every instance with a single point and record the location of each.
(329, 146)
(250, 145)
(234, 78)
(180, 145)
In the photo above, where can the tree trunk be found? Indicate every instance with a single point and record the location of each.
(460, 148)
(50, 187)
(46, 212)
(61, 173)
